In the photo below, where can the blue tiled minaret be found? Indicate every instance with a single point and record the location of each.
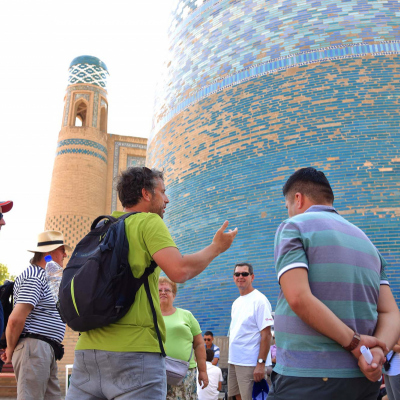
(253, 90)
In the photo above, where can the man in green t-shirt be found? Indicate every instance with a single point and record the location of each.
(123, 360)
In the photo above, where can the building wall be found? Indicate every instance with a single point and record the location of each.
(254, 90)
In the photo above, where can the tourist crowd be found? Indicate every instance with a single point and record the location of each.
(335, 304)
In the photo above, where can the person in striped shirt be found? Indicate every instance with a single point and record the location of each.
(35, 330)
(335, 298)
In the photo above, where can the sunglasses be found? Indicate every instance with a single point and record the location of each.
(244, 274)
(207, 340)
(1, 216)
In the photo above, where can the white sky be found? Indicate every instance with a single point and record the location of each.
(38, 40)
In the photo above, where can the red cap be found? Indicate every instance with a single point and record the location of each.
(6, 206)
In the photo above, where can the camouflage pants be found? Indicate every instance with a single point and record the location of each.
(187, 390)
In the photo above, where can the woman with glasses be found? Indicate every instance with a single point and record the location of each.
(183, 336)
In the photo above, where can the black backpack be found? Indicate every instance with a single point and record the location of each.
(98, 287)
(7, 300)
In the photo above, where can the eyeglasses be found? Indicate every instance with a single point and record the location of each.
(244, 274)
(207, 340)
(165, 291)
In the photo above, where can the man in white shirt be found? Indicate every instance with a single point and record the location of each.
(215, 380)
(250, 335)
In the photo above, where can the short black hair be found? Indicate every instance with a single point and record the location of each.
(311, 183)
(244, 264)
(209, 355)
(131, 182)
(208, 333)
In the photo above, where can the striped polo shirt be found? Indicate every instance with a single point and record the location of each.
(345, 271)
(31, 288)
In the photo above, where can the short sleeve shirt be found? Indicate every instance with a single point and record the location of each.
(181, 327)
(31, 288)
(250, 315)
(135, 332)
(345, 272)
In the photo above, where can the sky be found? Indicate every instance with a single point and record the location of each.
(38, 41)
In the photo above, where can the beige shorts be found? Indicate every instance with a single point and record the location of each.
(240, 381)
(35, 369)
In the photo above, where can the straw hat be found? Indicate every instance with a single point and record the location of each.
(49, 241)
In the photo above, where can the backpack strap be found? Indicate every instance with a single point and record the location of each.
(110, 218)
(101, 217)
(153, 265)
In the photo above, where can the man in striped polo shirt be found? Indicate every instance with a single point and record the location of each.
(35, 330)
(334, 298)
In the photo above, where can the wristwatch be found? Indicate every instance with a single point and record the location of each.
(261, 361)
(354, 342)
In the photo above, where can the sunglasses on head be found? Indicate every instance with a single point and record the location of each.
(237, 274)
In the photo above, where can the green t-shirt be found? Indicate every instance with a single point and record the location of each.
(146, 234)
(181, 327)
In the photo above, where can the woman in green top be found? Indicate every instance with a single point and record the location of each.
(183, 333)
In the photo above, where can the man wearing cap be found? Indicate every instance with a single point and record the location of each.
(5, 206)
(35, 330)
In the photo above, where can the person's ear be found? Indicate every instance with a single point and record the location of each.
(146, 195)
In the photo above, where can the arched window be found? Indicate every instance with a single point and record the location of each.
(103, 119)
(80, 114)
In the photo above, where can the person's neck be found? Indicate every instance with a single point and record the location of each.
(209, 346)
(246, 291)
(139, 207)
(167, 309)
(42, 263)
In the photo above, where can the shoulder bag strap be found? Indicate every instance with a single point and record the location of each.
(191, 353)
(145, 277)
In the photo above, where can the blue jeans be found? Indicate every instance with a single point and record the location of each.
(110, 375)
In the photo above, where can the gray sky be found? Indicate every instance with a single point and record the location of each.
(38, 41)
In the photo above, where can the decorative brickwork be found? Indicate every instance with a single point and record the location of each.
(213, 39)
(253, 91)
(86, 73)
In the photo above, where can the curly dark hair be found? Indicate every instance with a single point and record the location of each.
(131, 182)
(311, 183)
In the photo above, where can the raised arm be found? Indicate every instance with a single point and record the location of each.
(180, 268)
